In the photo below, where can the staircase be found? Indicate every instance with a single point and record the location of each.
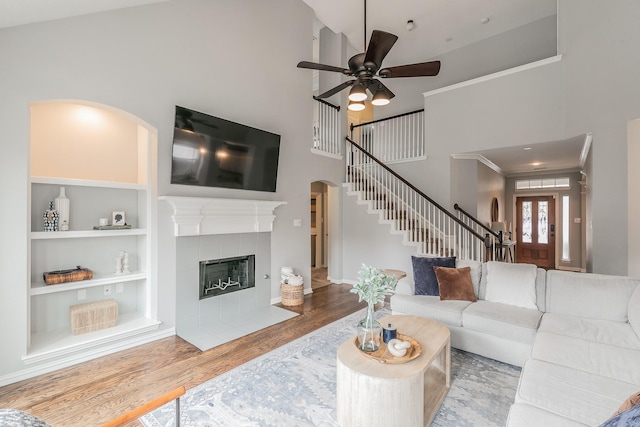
(422, 222)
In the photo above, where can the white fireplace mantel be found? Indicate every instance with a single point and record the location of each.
(197, 216)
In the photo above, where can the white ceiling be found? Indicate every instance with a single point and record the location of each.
(567, 154)
(20, 12)
(440, 26)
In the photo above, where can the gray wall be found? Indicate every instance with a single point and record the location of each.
(593, 89)
(490, 185)
(601, 90)
(236, 60)
(633, 159)
(507, 50)
(474, 186)
(496, 113)
(369, 242)
(464, 184)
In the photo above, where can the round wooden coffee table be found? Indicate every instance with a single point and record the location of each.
(371, 393)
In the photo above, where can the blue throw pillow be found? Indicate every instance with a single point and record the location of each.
(425, 277)
(628, 418)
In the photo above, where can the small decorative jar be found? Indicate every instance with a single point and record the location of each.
(50, 218)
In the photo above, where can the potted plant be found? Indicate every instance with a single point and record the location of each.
(372, 286)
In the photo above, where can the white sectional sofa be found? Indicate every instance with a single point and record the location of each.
(579, 350)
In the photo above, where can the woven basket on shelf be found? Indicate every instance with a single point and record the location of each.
(292, 294)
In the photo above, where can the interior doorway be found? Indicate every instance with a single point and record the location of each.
(318, 210)
(535, 231)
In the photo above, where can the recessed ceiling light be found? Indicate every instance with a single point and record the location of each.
(536, 164)
(484, 20)
(527, 148)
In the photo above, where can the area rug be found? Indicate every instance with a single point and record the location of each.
(295, 386)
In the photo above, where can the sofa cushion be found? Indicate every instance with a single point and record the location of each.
(405, 286)
(601, 331)
(424, 276)
(506, 321)
(541, 288)
(522, 414)
(634, 310)
(609, 361)
(476, 272)
(588, 295)
(431, 307)
(512, 284)
(455, 283)
(581, 396)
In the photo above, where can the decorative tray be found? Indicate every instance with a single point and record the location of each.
(112, 227)
(383, 355)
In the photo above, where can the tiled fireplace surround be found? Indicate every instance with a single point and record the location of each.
(208, 229)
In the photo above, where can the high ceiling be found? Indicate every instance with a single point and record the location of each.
(440, 26)
(20, 12)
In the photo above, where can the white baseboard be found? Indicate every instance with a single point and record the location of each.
(43, 368)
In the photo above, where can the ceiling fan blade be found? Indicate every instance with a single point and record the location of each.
(322, 67)
(336, 89)
(380, 44)
(413, 70)
(378, 85)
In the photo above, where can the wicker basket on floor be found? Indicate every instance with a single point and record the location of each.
(292, 294)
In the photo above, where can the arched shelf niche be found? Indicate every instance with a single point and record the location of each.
(105, 159)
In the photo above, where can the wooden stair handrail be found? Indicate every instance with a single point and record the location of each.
(397, 116)
(146, 408)
(414, 188)
(472, 218)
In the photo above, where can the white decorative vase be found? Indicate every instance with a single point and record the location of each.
(62, 207)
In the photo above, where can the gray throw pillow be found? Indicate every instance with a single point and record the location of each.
(423, 275)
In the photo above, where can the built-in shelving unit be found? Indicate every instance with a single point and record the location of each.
(97, 183)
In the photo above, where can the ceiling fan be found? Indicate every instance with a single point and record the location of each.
(366, 66)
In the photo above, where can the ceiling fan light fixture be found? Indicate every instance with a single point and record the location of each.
(356, 106)
(380, 98)
(358, 92)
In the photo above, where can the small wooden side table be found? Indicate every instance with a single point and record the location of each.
(372, 394)
(398, 273)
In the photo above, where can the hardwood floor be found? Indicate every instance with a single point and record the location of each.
(319, 277)
(97, 391)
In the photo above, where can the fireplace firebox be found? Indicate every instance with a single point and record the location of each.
(222, 276)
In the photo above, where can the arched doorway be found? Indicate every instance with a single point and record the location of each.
(325, 234)
(319, 234)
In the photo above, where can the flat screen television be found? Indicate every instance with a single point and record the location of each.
(214, 152)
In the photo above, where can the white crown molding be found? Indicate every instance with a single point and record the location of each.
(586, 147)
(482, 159)
(197, 216)
(499, 74)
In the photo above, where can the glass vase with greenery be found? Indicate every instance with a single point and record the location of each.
(373, 286)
